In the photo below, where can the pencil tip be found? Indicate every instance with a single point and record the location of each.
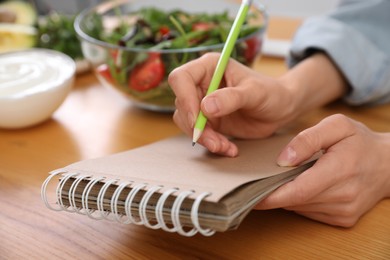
(196, 135)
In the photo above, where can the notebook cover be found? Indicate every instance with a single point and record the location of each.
(174, 163)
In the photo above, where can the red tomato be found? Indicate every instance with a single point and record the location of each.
(164, 30)
(252, 47)
(104, 71)
(147, 75)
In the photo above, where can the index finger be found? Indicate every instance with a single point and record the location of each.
(190, 81)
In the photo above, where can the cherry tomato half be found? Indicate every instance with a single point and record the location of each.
(252, 47)
(147, 75)
(164, 30)
(104, 71)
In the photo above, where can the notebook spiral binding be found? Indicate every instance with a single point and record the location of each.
(127, 218)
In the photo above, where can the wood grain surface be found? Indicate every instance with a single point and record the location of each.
(95, 121)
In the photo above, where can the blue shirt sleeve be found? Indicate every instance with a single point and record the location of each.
(356, 36)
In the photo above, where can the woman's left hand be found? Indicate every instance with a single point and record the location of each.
(349, 179)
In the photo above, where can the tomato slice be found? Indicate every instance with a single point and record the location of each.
(104, 71)
(164, 30)
(147, 75)
(252, 47)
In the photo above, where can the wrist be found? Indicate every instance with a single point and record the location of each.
(292, 97)
(295, 93)
(314, 82)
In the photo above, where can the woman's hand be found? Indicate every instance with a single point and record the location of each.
(247, 104)
(349, 179)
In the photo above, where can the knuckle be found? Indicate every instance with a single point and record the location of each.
(176, 116)
(349, 211)
(210, 56)
(173, 77)
(339, 117)
(349, 215)
(301, 196)
(177, 104)
(308, 140)
(349, 169)
(180, 103)
(345, 222)
(340, 120)
(234, 96)
(248, 96)
(350, 195)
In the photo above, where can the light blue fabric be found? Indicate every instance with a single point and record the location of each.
(356, 36)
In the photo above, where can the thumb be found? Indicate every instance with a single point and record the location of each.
(325, 134)
(227, 100)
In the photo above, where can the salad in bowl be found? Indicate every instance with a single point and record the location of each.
(134, 45)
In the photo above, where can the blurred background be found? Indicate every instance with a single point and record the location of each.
(296, 8)
(299, 8)
(61, 6)
(96, 40)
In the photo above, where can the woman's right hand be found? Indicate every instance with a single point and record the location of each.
(247, 104)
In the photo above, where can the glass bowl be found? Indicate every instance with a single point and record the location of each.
(134, 45)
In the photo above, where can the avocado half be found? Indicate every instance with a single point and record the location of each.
(16, 36)
(18, 12)
(17, 29)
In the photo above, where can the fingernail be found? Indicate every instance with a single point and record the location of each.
(287, 157)
(191, 119)
(210, 105)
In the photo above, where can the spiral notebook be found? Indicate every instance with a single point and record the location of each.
(173, 186)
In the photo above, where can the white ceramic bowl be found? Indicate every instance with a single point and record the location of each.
(33, 84)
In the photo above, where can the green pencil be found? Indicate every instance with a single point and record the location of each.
(222, 63)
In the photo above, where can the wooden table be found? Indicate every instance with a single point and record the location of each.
(95, 121)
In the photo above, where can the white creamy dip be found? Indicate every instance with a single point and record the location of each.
(33, 84)
(27, 72)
